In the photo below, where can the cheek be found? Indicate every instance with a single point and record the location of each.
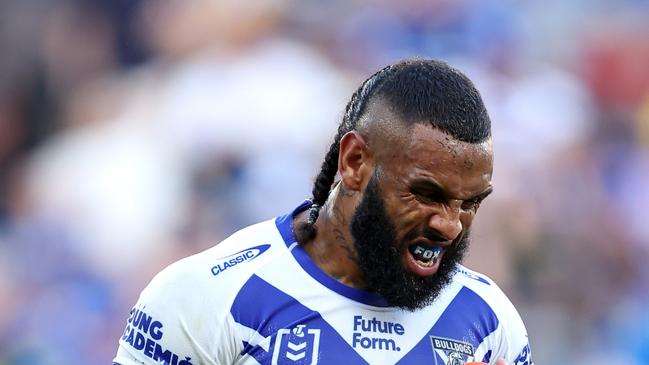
(399, 202)
(466, 218)
(408, 203)
(407, 206)
(405, 211)
(413, 217)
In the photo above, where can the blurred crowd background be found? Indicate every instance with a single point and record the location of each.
(133, 133)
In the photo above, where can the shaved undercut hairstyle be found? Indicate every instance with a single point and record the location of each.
(417, 91)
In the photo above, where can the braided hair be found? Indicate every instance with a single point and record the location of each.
(418, 90)
(324, 180)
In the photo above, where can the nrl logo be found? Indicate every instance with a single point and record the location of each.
(299, 345)
(451, 352)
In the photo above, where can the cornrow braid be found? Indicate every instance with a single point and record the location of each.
(324, 180)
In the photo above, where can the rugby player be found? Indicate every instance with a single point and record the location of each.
(369, 269)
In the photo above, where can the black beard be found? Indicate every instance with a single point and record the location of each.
(380, 256)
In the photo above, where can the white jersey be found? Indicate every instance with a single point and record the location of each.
(257, 298)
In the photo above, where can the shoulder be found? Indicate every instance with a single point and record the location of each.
(187, 305)
(510, 337)
(489, 291)
(219, 268)
(482, 285)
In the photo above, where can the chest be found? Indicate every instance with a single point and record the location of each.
(315, 327)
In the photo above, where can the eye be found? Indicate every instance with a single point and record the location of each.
(472, 204)
(428, 197)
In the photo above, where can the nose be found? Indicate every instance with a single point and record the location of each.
(446, 222)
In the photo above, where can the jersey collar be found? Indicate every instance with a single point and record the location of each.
(285, 226)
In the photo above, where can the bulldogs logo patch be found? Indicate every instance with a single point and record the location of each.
(451, 352)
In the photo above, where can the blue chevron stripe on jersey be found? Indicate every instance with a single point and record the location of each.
(295, 329)
(468, 318)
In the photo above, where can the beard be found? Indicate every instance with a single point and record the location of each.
(380, 256)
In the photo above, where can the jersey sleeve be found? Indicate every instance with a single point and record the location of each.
(516, 341)
(510, 341)
(180, 318)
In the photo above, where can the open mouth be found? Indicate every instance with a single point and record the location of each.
(426, 256)
(424, 260)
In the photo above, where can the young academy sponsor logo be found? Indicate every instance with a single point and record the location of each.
(376, 334)
(144, 333)
(297, 346)
(237, 258)
(451, 352)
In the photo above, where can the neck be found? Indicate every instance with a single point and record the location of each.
(332, 249)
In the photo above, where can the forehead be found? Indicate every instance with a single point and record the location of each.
(430, 155)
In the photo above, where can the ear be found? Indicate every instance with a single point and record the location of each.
(355, 161)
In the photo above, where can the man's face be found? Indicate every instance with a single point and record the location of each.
(411, 226)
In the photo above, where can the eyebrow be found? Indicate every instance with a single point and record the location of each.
(436, 188)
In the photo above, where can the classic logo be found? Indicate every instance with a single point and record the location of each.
(236, 258)
(452, 352)
(299, 345)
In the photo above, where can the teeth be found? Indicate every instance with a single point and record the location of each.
(426, 264)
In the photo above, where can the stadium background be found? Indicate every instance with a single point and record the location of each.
(134, 133)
